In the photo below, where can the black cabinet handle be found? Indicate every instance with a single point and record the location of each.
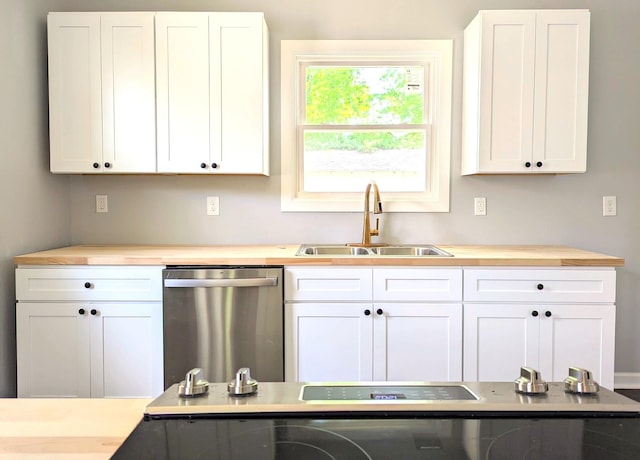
(214, 165)
(87, 284)
(367, 312)
(547, 314)
(203, 165)
(94, 312)
(527, 164)
(540, 287)
(107, 165)
(539, 164)
(81, 311)
(96, 165)
(534, 313)
(379, 311)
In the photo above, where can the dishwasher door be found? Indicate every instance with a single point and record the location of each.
(223, 319)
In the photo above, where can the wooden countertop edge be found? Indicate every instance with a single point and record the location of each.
(548, 256)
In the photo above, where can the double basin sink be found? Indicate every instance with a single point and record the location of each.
(391, 250)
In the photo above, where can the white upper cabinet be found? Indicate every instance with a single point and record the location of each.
(212, 73)
(101, 92)
(525, 92)
(198, 82)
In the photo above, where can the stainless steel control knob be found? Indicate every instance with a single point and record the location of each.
(580, 381)
(243, 384)
(530, 382)
(192, 385)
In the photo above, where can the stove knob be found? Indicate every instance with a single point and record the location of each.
(580, 381)
(530, 382)
(192, 386)
(243, 383)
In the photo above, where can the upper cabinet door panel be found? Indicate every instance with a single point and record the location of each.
(182, 81)
(561, 97)
(75, 106)
(128, 92)
(506, 119)
(239, 105)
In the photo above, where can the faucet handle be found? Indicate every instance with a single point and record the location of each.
(376, 231)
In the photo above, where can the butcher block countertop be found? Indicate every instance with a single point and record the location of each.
(66, 428)
(463, 255)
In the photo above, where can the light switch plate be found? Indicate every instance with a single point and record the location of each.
(609, 206)
(480, 206)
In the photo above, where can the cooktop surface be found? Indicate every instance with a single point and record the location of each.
(385, 439)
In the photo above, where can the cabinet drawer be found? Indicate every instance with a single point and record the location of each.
(86, 284)
(549, 285)
(413, 284)
(342, 284)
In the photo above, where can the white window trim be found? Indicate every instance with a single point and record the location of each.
(439, 52)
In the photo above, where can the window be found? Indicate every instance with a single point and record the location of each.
(357, 111)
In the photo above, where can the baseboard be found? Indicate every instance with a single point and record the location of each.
(626, 380)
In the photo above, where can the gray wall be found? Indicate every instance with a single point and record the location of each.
(564, 209)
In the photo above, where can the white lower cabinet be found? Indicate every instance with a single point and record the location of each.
(550, 329)
(82, 347)
(363, 339)
(92, 350)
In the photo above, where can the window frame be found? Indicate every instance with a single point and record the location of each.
(437, 54)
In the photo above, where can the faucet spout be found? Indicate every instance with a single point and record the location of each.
(367, 231)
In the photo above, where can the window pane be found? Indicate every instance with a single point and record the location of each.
(364, 95)
(345, 161)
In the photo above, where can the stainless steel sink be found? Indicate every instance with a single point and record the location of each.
(410, 251)
(319, 250)
(396, 250)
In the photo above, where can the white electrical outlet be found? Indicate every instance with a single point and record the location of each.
(480, 206)
(213, 206)
(101, 203)
(609, 206)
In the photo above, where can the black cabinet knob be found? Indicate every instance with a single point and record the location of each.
(203, 165)
(367, 312)
(539, 164)
(94, 312)
(87, 284)
(81, 311)
(379, 311)
(107, 165)
(527, 164)
(540, 287)
(96, 165)
(547, 314)
(214, 165)
(534, 313)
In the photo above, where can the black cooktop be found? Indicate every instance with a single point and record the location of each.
(553, 437)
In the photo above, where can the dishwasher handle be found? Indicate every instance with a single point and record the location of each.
(225, 282)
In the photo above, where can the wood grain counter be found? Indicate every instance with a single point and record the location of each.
(66, 428)
(463, 255)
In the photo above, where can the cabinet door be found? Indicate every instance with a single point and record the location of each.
(128, 93)
(328, 342)
(561, 91)
(53, 350)
(126, 350)
(182, 82)
(577, 335)
(506, 90)
(417, 342)
(75, 105)
(498, 340)
(239, 90)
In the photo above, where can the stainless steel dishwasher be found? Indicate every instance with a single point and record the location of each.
(221, 319)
